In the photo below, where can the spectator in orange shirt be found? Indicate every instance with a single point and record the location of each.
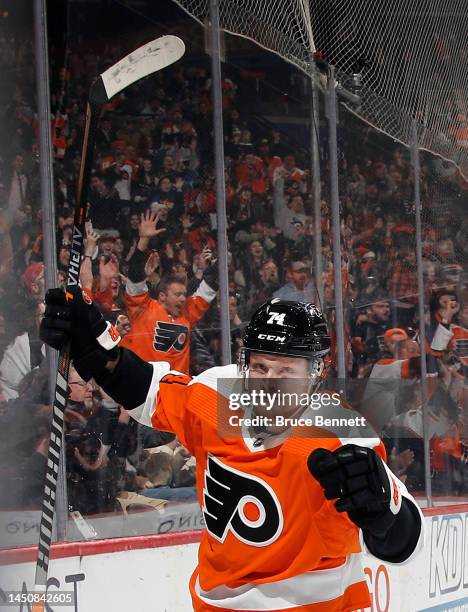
(160, 328)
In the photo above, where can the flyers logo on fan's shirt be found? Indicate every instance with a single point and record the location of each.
(243, 504)
(170, 335)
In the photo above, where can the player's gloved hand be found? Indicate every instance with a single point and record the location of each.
(72, 317)
(359, 480)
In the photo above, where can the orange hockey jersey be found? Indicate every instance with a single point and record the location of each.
(454, 338)
(155, 335)
(272, 542)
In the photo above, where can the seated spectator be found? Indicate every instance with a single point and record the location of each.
(98, 439)
(301, 287)
(24, 437)
(369, 331)
(129, 232)
(170, 473)
(445, 257)
(268, 283)
(103, 133)
(145, 182)
(201, 355)
(33, 281)
(205, 199)
(105, 204)
(22, 355)
(250, 264)
(244, 211)
(199, 234)
(168, 191)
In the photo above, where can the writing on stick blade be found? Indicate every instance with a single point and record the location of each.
(145, 60)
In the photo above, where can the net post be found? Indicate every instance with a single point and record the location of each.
(315, 176)
(46, 172)
(48, 221)
(222, 245)
(336, 232)
(422, 329)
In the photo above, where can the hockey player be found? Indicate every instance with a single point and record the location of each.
(286, 516)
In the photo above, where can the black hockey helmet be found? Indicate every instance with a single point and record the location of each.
(288, 328)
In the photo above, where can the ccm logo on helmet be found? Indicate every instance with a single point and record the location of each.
(272, 337)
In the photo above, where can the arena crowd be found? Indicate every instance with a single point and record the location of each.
(151, 248)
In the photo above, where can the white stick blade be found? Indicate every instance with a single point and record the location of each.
(145, 60)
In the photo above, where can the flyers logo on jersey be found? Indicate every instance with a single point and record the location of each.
(170, 335)
(243, 504)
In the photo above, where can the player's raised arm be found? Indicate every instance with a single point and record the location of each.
(94, 346)
(152, 393)
(94, 349)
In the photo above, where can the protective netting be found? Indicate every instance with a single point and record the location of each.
(412, 57)
(282, 27)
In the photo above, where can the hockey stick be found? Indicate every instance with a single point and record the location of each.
(145, 60)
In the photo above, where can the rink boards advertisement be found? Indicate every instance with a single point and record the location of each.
(152, 572)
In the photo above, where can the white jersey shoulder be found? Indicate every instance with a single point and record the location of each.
(218, 378)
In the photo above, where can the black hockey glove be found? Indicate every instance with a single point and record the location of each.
(72, 317)
(359, 480)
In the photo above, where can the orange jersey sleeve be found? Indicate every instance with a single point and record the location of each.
(198, 303)
(136, 304)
